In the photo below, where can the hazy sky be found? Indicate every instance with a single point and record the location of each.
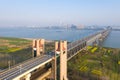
(59, 12)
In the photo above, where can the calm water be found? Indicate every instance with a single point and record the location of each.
(113, 40)
(51, 34)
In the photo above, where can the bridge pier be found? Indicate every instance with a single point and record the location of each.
(54, 68)
(38, 47)
(61, 51)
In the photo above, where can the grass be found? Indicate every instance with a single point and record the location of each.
(94, 49)
(8, 45)
(96, 63)
(89, 47)
(118, 62)
(14, 50)
(9, 50)
(17, 50)
(15, 57)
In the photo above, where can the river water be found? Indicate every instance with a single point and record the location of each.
(113, 40)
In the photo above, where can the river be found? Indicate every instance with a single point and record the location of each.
(113, 39)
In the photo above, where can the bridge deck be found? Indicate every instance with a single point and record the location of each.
(22, 68)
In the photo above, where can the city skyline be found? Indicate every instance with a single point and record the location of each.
(59, 12)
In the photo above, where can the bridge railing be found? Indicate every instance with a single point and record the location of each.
(73, 44)
(81, 40)
(78, 45)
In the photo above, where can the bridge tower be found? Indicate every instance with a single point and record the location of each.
(61, 51)
(38, 47)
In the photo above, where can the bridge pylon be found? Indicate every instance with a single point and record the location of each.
(61, 51)
(38, 47)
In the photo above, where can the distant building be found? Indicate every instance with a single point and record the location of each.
(73, 27)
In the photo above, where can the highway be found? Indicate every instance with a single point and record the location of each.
(23, 67)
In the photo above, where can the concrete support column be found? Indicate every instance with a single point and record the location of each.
(61, 50)
(63, 60)
(38, 47)
(54, 69)
(27, 77)
(41, 45)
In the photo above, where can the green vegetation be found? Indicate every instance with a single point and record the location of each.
(15, 57)
(89, 47)
(95, 63)
(94, 49)
(16, 50)
(8, 45)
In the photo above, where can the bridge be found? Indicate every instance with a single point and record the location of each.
(24, 70)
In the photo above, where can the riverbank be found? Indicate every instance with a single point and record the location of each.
(95, 63)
